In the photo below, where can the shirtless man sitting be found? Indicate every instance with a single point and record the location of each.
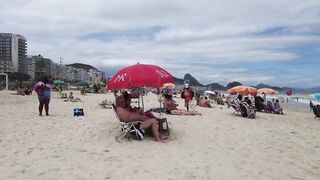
(71, 98)
(171, 107)
(125, 115)
(138, 110)
(204, 103)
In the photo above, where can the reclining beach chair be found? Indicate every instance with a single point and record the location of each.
(236, 107)
(247, 111)
(126, 128)
(260, 106)
(271, 107)
(105, 104)
(316, 111)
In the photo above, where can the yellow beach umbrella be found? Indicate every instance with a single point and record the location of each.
(169, 85)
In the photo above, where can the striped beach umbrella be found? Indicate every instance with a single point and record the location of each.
(243, 90)
(267, 91)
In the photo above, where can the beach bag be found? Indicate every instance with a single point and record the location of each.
(78, 112)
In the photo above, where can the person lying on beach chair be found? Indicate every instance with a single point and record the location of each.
(246, 110)
(171, 107)
(144, 122)
(163, 124)
(259, 103)
(316, 111)
(71, 98)
(272, 108)
(236, 106)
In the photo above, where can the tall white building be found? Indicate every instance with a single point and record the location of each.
(31, 67)
(13, 53)
(96, 76)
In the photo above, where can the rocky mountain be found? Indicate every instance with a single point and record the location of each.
(82, 66)
(178, 81)
(216, 86)
(261, 85)
(192, 81)
(233, 84)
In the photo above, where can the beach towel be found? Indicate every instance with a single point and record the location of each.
(158, 110)
(43, 90)
(139, 133)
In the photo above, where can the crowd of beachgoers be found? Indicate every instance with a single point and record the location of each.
(245, 105)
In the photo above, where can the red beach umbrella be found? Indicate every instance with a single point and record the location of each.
(140, 75)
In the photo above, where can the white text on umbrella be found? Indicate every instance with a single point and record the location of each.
(120, 77)
(162, 73)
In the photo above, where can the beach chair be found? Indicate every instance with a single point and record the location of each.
(316, 111)
(247, 111)
(236, 107)
(126, 128)
(259, 106)
(271, 107)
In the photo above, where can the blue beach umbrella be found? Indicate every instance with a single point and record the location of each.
(317, 96)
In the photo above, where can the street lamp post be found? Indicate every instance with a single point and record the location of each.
(61, 69)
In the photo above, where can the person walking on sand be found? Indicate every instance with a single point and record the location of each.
(311, 105)
(43, 89)
(187, 94)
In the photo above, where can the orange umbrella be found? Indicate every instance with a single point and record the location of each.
(243, 90)
(169, 85)
(267, 91)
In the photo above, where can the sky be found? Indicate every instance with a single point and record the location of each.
(275, 42)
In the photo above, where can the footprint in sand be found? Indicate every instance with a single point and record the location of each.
(316, 167)
(82, 150)
(30, 151)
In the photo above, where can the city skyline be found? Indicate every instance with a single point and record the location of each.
(273, 42)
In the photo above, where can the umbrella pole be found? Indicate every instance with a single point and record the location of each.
(159, 99)
(160, 102)
(142, 103)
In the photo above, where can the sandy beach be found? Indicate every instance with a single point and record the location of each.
(216, 145)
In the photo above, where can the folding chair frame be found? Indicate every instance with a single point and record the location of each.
(125, 127)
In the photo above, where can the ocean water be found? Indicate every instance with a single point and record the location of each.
(298, 102)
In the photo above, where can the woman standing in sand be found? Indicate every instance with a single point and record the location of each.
(43, 90)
